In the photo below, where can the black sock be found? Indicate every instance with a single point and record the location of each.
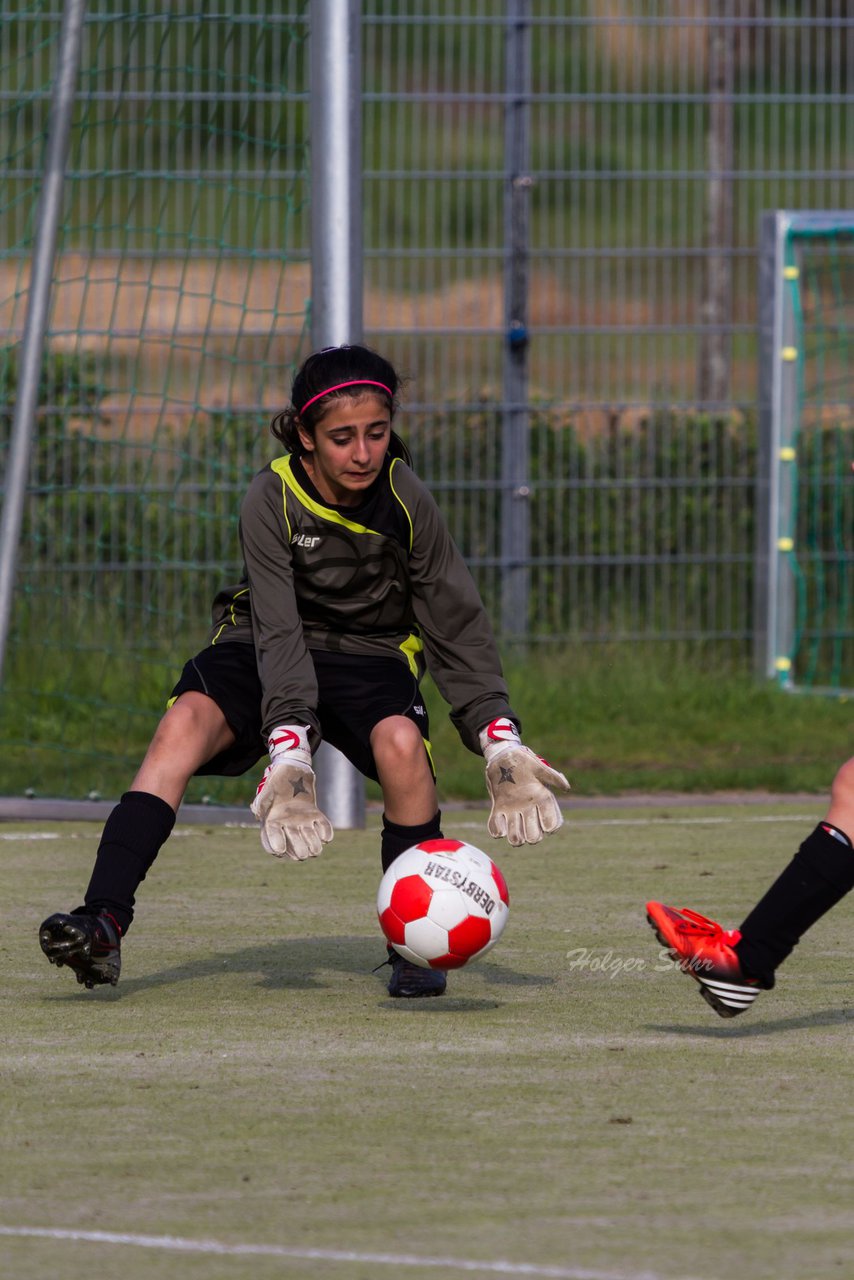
(397, 839)
(132, 838)
(819, 875)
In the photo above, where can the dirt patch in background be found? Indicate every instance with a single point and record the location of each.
(174, 335)
(94, 304)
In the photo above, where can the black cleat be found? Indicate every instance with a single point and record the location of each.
(411, 980)
(88, 944)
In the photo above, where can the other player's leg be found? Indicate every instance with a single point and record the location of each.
(818, 877)
(733, 966)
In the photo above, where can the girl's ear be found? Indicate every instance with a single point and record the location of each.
(306, 440)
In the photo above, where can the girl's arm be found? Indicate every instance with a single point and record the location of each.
(287, 673)
(459, 642)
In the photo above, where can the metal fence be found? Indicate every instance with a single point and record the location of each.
(561, 208)
(617, 157)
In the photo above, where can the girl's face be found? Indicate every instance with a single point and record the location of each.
(346, 453)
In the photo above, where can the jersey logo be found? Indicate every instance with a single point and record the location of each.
(308, 540)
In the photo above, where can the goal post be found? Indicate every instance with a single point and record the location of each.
(177, 274)
(804, 573)
(178, 309)
(38, 304)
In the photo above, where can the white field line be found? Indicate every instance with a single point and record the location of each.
(179, 1244)
(741, 820)
(78, 835)
(658, 822)
(29, 835)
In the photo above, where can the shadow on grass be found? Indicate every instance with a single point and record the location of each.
(742, 1031)
(303, 964)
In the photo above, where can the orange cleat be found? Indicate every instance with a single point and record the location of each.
(704, 950)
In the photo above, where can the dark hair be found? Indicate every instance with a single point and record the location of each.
(335, 373)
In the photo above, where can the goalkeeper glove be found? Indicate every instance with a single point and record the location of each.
(285, 803)
(523, 807)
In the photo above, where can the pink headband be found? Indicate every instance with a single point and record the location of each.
(357, 382)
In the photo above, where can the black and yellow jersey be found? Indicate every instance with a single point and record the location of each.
(382, 578)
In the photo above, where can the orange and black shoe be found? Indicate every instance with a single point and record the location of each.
(704, 950)
(88, 944)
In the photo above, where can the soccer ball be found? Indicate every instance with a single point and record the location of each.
(442, 903)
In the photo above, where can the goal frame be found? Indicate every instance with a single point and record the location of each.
(782, 237)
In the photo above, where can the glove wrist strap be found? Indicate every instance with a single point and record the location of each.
(288, 744)
(498, 736)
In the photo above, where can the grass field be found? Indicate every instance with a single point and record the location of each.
(249, 1103)
(655, 719)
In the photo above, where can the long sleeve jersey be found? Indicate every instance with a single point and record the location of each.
(382, 578)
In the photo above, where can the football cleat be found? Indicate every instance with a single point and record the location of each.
(88, 944)
(705, 951)
(412, 980)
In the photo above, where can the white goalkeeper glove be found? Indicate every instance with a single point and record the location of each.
(285, 803)
(524, 809)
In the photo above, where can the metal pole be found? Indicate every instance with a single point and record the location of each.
(336, 266)
(38, 305)
(336, 172)
(515, 486)
(713, 388)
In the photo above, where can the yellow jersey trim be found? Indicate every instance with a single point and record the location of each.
(412, 646)
(400, 500)
(282, 468)
(232, 619)
(278, 465)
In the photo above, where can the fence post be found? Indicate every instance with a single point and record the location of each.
(336, 266)
(713, 381)
(38, 306)
(515, 487)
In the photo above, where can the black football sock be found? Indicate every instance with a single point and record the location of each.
(132, 838)
(819, 876)
(397, 839)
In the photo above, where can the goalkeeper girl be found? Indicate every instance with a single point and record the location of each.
(352, 587)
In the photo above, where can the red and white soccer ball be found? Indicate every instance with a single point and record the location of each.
(442, 903)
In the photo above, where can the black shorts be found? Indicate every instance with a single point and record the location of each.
(354, 694)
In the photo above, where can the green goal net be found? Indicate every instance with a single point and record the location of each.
(178, 308)
(809, 437)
